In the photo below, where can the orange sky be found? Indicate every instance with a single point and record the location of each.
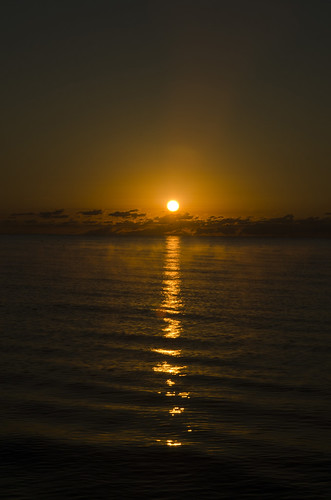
(223, 106)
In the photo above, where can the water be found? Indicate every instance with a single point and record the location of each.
(165, 368)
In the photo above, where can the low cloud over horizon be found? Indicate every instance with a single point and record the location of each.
(129, 214)
(99, 222)
(91, 212)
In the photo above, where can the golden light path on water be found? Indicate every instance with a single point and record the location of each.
(169, 311)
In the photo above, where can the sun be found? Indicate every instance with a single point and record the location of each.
(173, 205)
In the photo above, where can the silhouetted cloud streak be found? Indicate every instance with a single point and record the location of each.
(186, 224)
(91, 212)
(133, 222)
(22, 214)
(55, 214)
(129, 214)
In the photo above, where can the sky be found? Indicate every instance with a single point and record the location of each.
(122, 105)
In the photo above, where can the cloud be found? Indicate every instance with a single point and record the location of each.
(173, 218)
(129, 214)
(55, 214)
(132, 222)
(186, 224)
(91, 212)
(24, 214)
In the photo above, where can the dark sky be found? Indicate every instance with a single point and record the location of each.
(223, 105)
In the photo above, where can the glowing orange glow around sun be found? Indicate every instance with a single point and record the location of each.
(173, 205)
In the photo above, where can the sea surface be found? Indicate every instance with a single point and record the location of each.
(165, 368)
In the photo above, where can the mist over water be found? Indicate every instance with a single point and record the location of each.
(165, 367)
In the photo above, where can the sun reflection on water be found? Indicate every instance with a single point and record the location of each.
(170, 311)
(171, 442)
(168, 352)
(172, 329)
(168, 368)
(176, 410)
(172, 303)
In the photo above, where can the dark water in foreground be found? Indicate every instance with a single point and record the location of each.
(165, 368)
